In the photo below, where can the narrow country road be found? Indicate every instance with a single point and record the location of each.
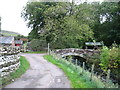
(41, 74)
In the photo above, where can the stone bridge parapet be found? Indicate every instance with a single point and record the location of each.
(76, 52)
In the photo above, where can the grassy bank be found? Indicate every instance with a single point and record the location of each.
(24, 65)
(37, 52)
(78, 79)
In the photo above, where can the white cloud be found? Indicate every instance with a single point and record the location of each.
(10, 11)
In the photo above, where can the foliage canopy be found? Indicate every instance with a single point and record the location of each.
(66, 24)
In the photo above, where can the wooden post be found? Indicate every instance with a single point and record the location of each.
(83, 67)
(108, 75)
(76, 62)
(70, 61)
(24, 48)
(107, 78)
(48, 49)
(92, 72)
(50, 52)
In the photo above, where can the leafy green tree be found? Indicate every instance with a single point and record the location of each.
(107, 26)
(69, 25)
(33, 13)
(63, 29)
(58, 24)
(33, 35)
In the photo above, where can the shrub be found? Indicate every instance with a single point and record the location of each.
(110, 59)
(38, 45)
(104, 58)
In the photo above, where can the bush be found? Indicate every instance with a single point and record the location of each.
(38, 45)
(110, 59)
(104, 58)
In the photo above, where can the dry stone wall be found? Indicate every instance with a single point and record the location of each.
(9, 60)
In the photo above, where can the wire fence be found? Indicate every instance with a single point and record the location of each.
(89, 75)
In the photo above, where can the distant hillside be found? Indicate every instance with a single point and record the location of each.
(9, 33)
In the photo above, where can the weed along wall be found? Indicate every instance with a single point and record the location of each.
(9, 60)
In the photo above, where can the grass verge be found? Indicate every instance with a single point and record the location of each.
(24, 65)
(77, 80)
(37, 52)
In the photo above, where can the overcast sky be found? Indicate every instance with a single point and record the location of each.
(10, 11)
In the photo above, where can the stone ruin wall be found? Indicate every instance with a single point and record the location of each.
(9, 60)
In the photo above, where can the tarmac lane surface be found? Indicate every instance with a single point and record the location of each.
(41, 74)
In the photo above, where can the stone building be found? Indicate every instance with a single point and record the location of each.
(10, 41)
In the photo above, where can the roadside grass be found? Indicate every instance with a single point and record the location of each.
(24, 65)
(78, 79)
(36, 52)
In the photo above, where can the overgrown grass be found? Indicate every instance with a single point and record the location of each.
(24, 65)
(37, 52)
(75, 75)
